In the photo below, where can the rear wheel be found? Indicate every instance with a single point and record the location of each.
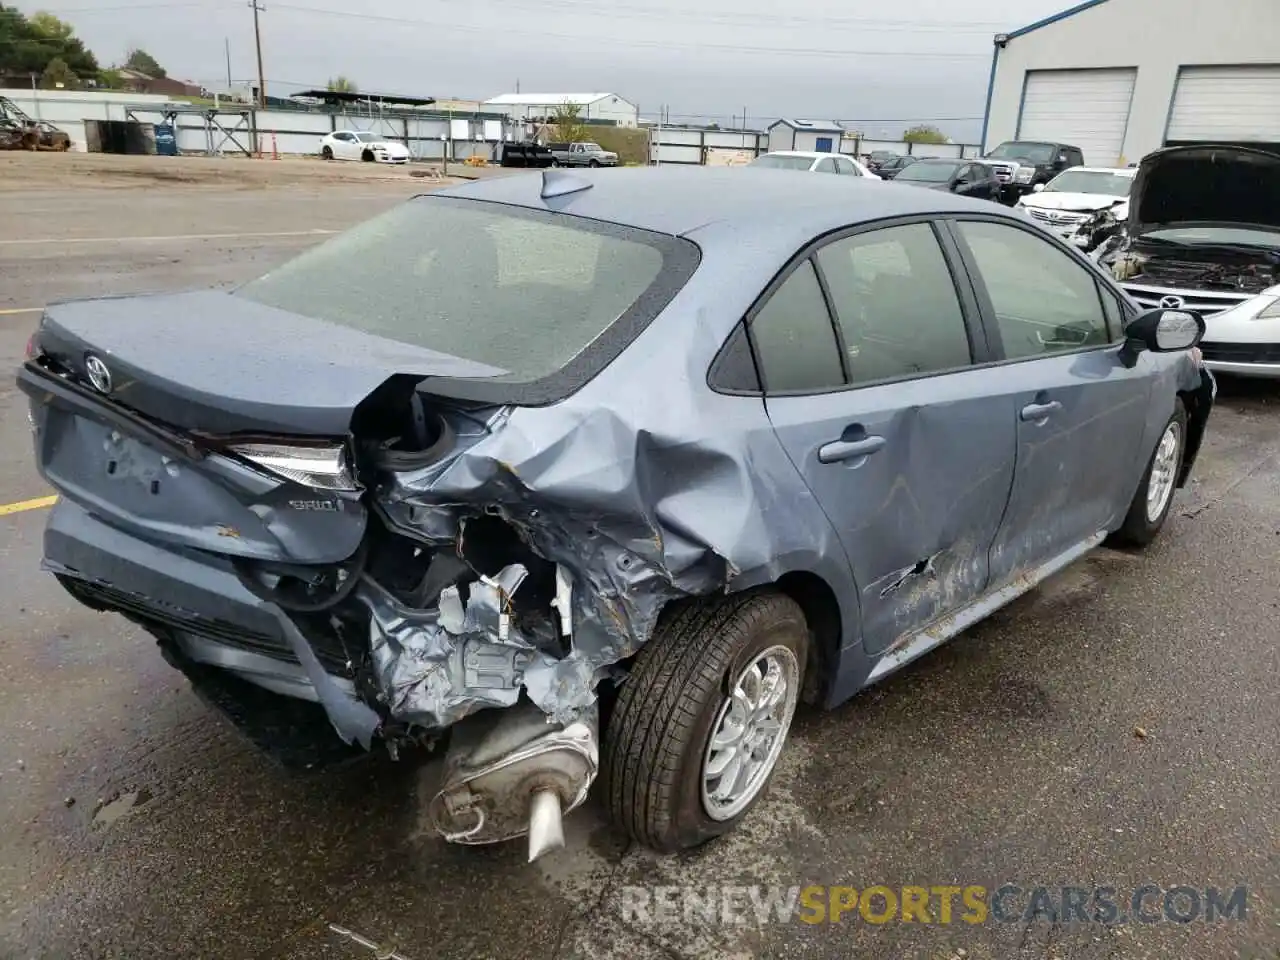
(703, 717)
(555, 163)
(1154, 499)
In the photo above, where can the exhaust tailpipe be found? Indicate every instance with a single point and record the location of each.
(510, 773)
(546, 823)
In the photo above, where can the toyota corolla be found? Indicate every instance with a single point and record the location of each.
(702, 444)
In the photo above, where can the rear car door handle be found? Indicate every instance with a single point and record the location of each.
(1040, 411)
(839, 450)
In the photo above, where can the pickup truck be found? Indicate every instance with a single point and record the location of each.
(581, 155)
(1021, 164)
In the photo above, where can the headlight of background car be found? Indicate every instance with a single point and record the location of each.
(324, 468)
(1024, 174)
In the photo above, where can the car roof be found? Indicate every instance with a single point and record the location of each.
(1119, 171)
(735, 200)
(814, 154)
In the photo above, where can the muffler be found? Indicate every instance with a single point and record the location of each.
(511, 772)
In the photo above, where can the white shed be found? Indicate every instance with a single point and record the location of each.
(822, 136)
(1120, 78)
(594, 106)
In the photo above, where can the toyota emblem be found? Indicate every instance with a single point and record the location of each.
(1172, 303)
(99, 375)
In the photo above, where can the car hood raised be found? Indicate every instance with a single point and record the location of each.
(1078, 202)
(1206, 184)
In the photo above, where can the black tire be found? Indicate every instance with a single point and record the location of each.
(555, 163)
(659, 728)
(1138, 529)
(593, 163)
(326, 152)
(367, 156)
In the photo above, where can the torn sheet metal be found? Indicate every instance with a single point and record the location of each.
(578, 500)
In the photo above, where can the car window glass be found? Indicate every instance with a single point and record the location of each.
(846, 166)
(1044, 301)
(896, 303)
(826, 166)
(795, 342)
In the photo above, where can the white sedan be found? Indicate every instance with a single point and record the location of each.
(813, 162)
(363, 145)
(1076, 196)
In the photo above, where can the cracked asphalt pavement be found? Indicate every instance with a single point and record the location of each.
(1120, 725)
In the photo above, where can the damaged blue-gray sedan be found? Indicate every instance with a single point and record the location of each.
(606, 473)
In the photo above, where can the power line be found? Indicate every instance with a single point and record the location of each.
(649, 44)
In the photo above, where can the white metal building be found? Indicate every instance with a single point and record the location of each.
(822, 136)
(1120, 78)
(595, 106)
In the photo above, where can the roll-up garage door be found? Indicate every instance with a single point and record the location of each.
(1088, 109)
(1226, 104)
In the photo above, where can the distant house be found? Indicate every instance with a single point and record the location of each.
(135, 81)
(608, 107)
(822, 136)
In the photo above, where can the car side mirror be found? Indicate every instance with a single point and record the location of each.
(1161, 331)
(1037, 188)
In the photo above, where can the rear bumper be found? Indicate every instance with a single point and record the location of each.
(194, 601)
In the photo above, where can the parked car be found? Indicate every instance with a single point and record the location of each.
(424, 479)
(581, 155)
(527, 153)
(362, 145)
(889, 169)
(1203, 234)
(876, 158)
(969, 178)
(1084, 205)
(1021, 164)
(812, 162)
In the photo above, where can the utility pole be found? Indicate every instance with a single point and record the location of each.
(257, 39)
(227, 43)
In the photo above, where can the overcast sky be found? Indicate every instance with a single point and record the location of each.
(880, 65)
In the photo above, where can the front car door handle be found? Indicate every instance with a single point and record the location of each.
(1040, 411)
(839, 450)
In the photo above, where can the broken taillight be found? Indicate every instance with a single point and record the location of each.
(325, 468)
(33, 345)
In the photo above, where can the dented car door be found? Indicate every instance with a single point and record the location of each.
(1080, 411)
(885, 417)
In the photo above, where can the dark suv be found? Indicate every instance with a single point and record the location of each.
(1021, 164)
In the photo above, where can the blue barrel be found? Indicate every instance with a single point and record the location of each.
(166, 140)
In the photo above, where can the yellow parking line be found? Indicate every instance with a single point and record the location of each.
(39, 503)
(14, 312)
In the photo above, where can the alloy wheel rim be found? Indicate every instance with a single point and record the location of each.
(749, 732)
(1164, 470)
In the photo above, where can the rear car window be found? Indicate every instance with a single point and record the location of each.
(527, 291)
(795, 342)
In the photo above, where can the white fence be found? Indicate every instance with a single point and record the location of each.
(235, 127)
(948, 150)
(699, 145)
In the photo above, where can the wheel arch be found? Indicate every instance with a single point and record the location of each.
(817, 600)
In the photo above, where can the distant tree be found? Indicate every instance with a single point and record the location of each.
(29, 44)
(50, 27)
(57, 75)
(110, 79)
(144, 62)
(341, 84)
(568, 122)
(924, 133)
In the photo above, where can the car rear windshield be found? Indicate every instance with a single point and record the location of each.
(523, 290)
(783, 162)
